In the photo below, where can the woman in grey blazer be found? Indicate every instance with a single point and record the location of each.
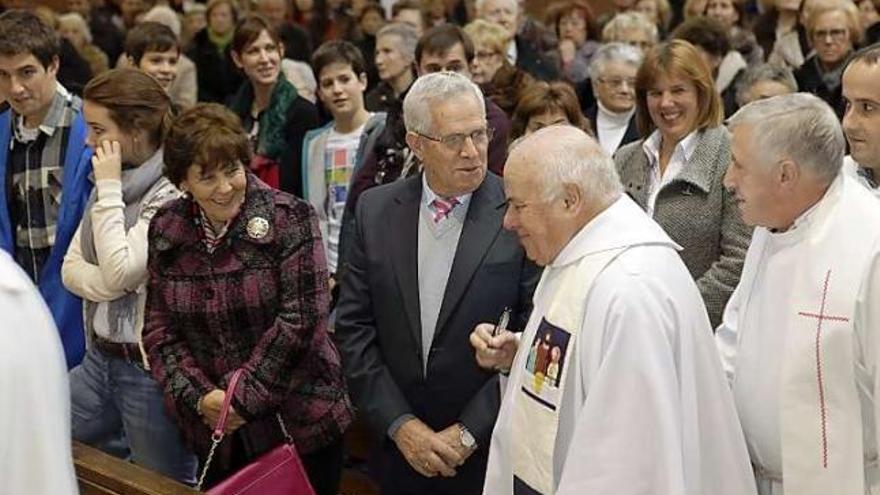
(675, 172)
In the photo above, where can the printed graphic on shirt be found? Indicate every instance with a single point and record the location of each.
(339, 165)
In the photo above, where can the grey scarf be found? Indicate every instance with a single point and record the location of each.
(136, 183)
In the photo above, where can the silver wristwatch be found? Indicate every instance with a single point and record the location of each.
(464, 436)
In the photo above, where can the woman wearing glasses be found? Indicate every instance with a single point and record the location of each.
(675, 172)
(834, 31)
(501, 82)
(613, 77)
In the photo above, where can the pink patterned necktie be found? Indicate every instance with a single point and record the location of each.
(443, 207)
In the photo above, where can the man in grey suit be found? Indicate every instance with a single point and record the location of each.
(429, 261)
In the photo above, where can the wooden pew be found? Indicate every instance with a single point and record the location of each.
(102, 474)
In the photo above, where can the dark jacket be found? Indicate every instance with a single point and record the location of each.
(809, 79)
(698, 213)
(378, 326)
(382, 98)
(301, 116)
(219, 78)
(298, 44)
(872, 34)
(765, 33)
(105, 34)
(258, 303)
(74, 71)
(530, 58)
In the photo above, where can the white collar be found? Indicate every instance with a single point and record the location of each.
(512, 52)
(813, 214)
(622, 224)
(685, 147)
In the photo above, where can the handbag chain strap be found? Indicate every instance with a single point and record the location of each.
(207, 463)
(284, 429)
(218, 435)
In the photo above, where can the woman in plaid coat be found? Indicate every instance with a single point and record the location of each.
(238, 280)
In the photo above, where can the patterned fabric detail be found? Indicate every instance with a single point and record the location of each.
(34, 179)
(443, 207)
(258, 303)
(212, 237)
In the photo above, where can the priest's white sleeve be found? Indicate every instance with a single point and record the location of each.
(627, 438)
(867, 327)
(727, 336)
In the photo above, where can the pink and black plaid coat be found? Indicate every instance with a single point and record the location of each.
(258, 302)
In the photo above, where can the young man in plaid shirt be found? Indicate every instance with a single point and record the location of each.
(44, 164)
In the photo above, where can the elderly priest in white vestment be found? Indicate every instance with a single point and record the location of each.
(616, 387)
(35, 448)
(800, 337)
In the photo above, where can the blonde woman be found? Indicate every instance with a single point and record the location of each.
(500, 81)
(658, 11)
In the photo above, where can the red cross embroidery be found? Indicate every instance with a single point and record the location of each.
(821, 317)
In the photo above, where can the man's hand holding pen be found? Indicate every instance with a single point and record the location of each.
(495, 346)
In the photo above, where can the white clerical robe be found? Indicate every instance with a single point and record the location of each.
(851, 168)
(35, 446)
(800, 342)
(645, 409)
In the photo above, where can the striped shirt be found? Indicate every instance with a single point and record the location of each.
(34, 178)
(212, 237)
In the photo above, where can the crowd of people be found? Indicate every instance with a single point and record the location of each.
(635, 252)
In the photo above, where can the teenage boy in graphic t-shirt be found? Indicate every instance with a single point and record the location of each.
(332, 154)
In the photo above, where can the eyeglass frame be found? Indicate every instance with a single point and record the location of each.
(839, 34)
(446, 141)
(616, 82)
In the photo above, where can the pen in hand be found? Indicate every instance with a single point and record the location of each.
(502, 322)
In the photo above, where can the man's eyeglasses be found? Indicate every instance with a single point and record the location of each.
(834, 34)
(455, 142)
(618, 82)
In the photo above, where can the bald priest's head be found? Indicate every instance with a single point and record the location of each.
(556, 180)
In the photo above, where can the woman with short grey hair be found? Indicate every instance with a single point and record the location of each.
(612, 75)
(395, 62)
(764, 81)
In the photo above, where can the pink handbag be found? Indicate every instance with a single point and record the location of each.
(277, 472)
